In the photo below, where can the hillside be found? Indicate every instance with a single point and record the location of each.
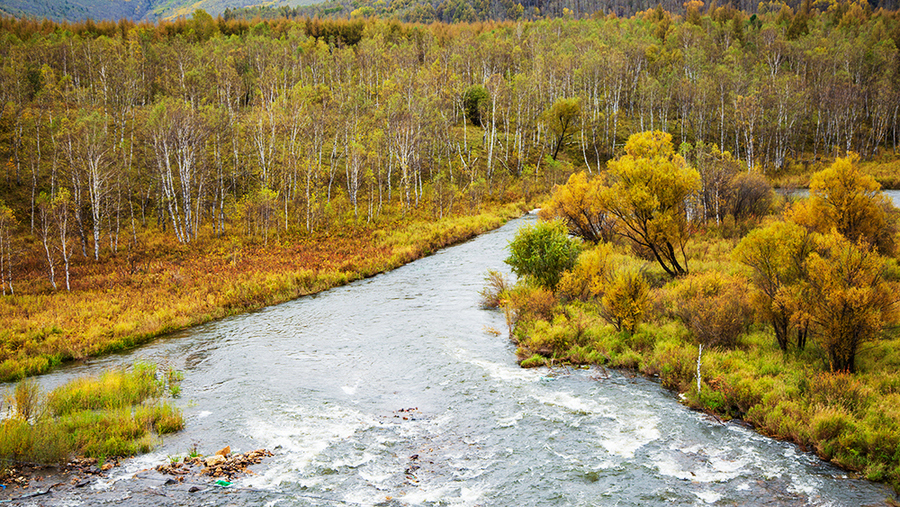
(425, 11)
(137, 10)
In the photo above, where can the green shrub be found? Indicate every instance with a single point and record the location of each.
(628, 359)
(534, 361)
(541, 253)
(475, 101)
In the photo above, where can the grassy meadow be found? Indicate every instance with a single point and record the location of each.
(123, 301)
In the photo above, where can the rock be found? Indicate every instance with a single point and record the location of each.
(224, 452)
(194, 489)
(82, 483)
(212, 461)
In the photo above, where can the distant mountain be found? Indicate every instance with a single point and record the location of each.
(468, 11)
(424, 11)
(138, 10)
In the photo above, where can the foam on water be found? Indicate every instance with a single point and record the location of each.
(626, 437)
(700, 464)
(302, 435)
(708, 496)
(377, 474)
(128, 469)
(511, 421)
(354, 461)
(574, 404)
(448, 494)
(807, 485)
(498, 371)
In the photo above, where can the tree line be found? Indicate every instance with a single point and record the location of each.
(215, 125)
(458, 11)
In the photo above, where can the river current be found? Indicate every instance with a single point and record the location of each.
(399, 390)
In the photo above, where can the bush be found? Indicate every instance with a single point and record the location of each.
(714, 307)
(626, 301)
(587, 280)
(578, 204)
(27, 399)
(751, 196)
(557, 338)
(541, 253)
(535, 361)
(531, 303)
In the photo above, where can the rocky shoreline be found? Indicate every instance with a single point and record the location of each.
(23, 482)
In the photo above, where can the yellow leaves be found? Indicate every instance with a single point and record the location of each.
(626, 300)
(846, 200)
(578, 203)
(650, 197)
(588, 278)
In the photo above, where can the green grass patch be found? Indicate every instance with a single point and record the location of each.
(119, 413)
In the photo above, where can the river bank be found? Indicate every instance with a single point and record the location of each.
(125, 301)
(851, 420)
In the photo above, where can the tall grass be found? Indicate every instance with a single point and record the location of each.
(119, 413)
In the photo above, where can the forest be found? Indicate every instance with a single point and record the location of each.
(157, 175)
(455, 11)
(110, 128)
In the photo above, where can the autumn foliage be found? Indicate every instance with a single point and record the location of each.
(793, 301)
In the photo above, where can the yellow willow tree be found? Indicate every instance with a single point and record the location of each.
(850, 299)
(777, 255)
(650, 197)
(578, 204)
(842, 198)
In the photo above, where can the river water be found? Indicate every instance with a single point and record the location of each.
(398, 390)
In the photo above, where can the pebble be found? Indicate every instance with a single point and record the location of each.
(218, 465)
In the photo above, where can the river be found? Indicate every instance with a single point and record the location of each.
(398, 390)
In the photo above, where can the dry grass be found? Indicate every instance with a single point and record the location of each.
(160, 286)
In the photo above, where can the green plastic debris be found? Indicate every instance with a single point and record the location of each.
(222, 483)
